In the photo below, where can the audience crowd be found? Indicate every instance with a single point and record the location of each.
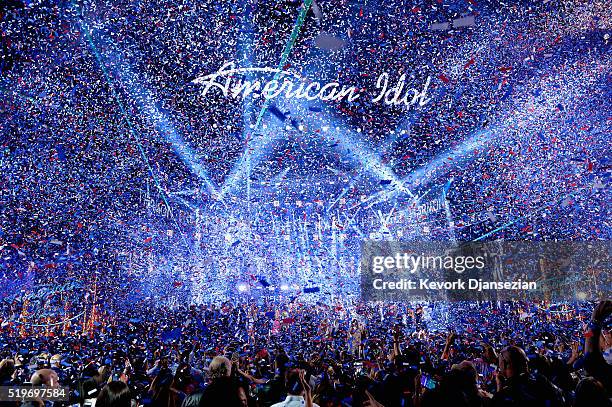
(296, 354)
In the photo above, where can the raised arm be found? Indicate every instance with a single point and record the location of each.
(594, 362)
(307, 390)
(449, 342)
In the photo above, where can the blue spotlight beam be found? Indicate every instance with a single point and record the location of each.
(463, 153)
(132, 132)
(528, 215)
(147, 105)
(359, 151)
(247, 104)
(245, 162)
(179, 146)
(285, 55)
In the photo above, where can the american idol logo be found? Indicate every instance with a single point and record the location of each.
(271, 83)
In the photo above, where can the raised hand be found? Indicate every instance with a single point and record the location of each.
(371, 402)
(306, 387)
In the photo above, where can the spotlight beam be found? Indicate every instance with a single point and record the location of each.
(521, 117)
(285, 55)
(348, 144)
(132, 131)
(528, 215)
(145, 100)
(244, 167)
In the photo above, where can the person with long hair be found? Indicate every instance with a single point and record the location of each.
(114, 394)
